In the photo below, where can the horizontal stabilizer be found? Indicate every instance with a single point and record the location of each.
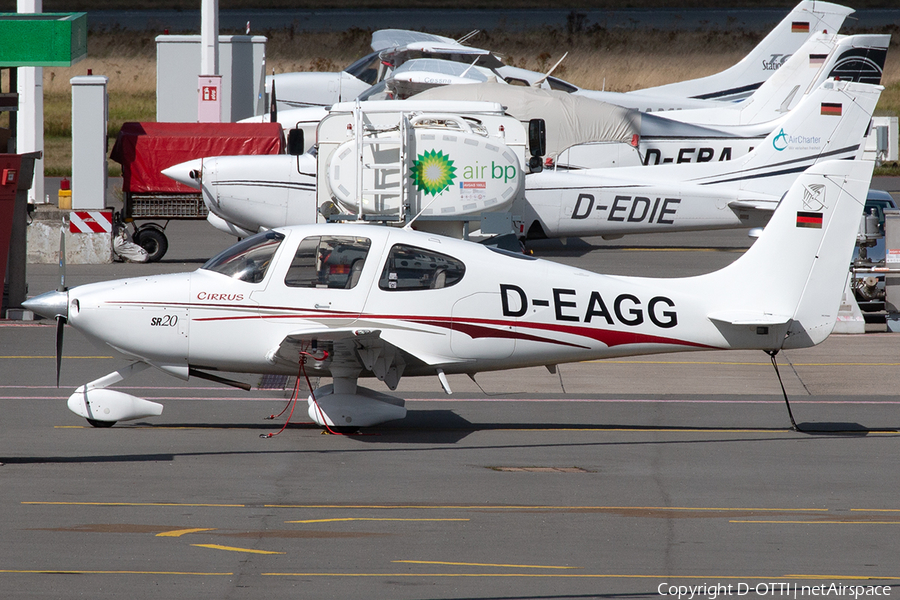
(748, 317)
(753, 204)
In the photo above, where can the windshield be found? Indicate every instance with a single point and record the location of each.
(247, 260)
(378, 91)
(366, 68)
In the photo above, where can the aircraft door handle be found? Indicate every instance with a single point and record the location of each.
(323, 305)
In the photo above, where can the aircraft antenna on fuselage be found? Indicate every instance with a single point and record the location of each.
(468, 36)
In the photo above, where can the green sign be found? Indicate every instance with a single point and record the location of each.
(42, 39)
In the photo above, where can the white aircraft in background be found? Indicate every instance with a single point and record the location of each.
(857, 58)
(579, 128)
(352, 301)
(247, 194)
(393, 46)
(830, 123)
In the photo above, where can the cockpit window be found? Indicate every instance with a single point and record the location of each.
(366, 68)
(247, 260)
(325, 261)
(560, 85)
(378, 91)
(411, 268)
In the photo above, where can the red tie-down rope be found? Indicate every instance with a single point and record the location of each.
(296, 394)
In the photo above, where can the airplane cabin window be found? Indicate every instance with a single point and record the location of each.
(516, 81)
(411, 268)
(328, 261)
(247, 260)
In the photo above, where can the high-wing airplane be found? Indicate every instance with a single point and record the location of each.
(253, 193)
(724, 130)
(352, 301)
(394, 46)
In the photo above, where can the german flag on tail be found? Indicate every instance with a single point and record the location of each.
(832, 108)
(811, 220)
(800, 27)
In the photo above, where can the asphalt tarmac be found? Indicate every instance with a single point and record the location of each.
(625, 478)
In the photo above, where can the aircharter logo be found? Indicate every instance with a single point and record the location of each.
(775, 62)
(782, 141)
(433, 172)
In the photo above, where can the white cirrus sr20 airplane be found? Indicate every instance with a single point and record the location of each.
(352, 301)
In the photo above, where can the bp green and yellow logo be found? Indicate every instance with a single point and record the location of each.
(433, 172)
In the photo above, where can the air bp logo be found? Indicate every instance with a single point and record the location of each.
(433, 172)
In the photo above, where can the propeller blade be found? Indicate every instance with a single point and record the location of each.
(60, 326)
(62, 262)
(273, 110)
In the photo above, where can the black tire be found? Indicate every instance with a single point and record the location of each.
(153, 241)
(100, 424)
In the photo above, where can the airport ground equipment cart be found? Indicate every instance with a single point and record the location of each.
(145, 149)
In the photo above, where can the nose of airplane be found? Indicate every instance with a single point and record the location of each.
(49, 305)
(189, 173)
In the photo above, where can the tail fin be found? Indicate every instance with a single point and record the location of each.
(857, 58)
(791, 280)
(785, 39)
(829, 123)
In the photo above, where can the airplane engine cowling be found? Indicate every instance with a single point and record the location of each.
(362, 409)
(109, 405)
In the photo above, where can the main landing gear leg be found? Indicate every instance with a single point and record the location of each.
(787, 403)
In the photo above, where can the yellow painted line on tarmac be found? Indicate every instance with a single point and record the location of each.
(639, 429)
(660, 577)
(233, 549)
(181, 532)
(817, 522)
(82, 572)
(135, 504)
(855, 577)
(875, 510)
(369, 519)
(538, 507)
(508, 507)
(467, 564)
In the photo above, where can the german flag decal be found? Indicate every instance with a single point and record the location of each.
(812, 220)
(800, 27)
(831, 108)
(817, 59)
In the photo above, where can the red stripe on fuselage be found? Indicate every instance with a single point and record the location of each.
(475, 328)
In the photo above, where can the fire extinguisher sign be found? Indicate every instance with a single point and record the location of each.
(209, 105)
